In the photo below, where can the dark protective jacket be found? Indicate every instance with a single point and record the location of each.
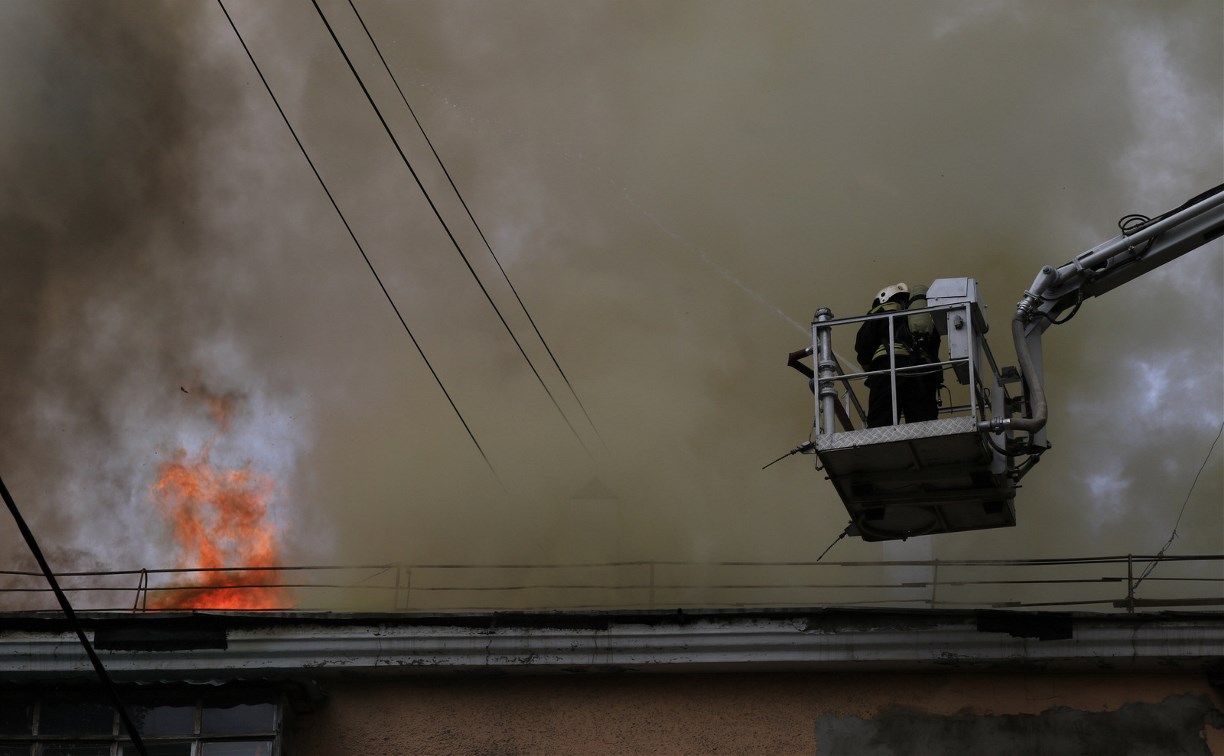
(871, 343)
(915, 342)
(914, 336)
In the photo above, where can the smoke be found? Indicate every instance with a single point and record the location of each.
(671, 187)
(122, 294)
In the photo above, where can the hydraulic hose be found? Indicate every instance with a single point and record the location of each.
(1037, 398)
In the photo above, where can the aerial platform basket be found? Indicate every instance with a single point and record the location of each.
(936, 476)
(960, 471)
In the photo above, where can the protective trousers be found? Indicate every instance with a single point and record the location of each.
(916, 400)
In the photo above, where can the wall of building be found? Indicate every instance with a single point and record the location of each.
(778, 713)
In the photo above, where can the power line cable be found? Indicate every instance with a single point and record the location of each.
(442, 221)
(360, 249)
(1173, 535)
(476, 225)
(73, 620)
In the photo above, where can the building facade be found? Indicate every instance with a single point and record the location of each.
(779, 681)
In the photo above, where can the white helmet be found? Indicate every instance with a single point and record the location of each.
(888, 292)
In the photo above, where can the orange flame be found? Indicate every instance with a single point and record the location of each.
(220, 519)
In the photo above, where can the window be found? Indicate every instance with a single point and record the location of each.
(171, 722)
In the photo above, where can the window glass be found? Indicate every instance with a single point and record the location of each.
(156, 748)
(239, 718)
(235, 722)
(164, 720)
(238, 748)
(76, 749)
(76, 718)
(15, 718)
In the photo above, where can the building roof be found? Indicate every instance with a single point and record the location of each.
(230, 646)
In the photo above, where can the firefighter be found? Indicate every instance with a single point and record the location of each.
(916, 391)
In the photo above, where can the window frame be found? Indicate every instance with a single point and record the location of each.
(117, 743)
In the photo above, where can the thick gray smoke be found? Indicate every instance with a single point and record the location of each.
(103, 254)
(126, 295)
(673, 188)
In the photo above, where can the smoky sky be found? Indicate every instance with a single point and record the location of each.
(673, 188)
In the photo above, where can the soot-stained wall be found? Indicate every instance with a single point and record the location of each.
(1173, 726)
(823, 713)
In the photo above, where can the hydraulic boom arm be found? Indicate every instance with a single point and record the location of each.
(1143, 245)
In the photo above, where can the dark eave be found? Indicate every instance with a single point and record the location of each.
(136, 647)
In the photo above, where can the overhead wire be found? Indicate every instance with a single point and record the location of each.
(475, 224)
(369, 264)
(445, 227)
(1173, 536)
(459, 584)
(66, 606)
(1129, 224)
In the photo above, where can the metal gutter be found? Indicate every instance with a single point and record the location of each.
(321, 646)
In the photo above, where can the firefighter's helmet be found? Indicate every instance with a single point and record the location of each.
(889, 293)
